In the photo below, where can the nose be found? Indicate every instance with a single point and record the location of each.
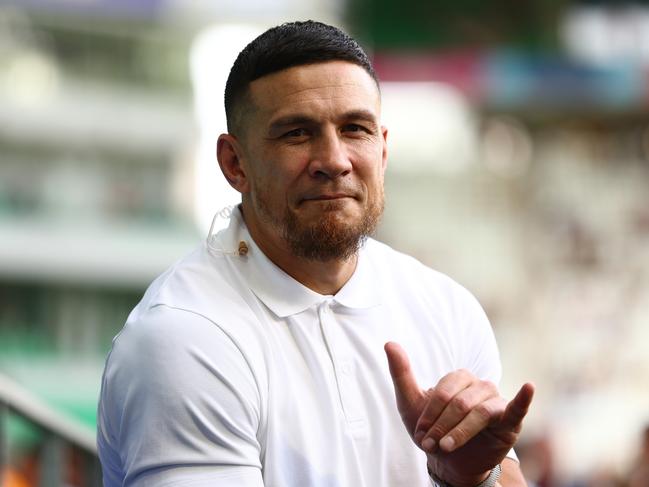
(329, 158)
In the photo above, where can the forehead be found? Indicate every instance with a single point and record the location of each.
(326, 86)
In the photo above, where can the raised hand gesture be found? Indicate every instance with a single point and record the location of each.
(462, 423)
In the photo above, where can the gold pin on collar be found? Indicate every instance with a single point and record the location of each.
(243, 248)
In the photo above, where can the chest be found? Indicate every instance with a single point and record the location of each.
(330, 405)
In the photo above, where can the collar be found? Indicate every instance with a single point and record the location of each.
(281, 293)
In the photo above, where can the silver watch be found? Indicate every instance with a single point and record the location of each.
(490, 481)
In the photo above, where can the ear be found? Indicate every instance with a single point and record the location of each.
(384, 153)
(229, 155)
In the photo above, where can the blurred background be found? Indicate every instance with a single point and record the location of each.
(519, 165)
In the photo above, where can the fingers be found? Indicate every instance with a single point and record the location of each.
(459, 407)
(409, 394)
(444, 395)
(473, 423)
(505, 420)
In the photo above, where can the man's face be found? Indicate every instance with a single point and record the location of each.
(315, 155)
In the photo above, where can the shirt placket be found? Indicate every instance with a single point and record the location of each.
(346, 378)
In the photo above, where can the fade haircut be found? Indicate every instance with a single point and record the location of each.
(287, 45)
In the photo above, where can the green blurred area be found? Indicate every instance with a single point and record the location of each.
(413, 24)
(55, 357)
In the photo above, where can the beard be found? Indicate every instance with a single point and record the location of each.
(329, 237)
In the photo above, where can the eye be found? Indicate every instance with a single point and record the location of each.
(354, 128)
(295, 133)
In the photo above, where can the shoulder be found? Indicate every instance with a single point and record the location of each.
(176, 353)
(406, 275)
(193, 281)
(177, 390)
(190, 363)
(202, 292)
(193, 328)
(438, 306)
(430, 297)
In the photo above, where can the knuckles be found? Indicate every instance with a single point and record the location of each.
(490, 386)
(461, 405)
(484, 413)
(446, 390)
(443, 395)
(461, 394)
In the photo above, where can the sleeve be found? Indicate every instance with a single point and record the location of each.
(480, 352)
(179, 406)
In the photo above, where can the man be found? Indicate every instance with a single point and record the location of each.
(258, 360)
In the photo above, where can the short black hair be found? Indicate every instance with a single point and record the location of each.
(284, 46)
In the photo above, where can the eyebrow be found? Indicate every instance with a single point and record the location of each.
(299, 119)
(290, 120)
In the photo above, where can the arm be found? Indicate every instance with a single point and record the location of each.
(512, 476)
(179, 406)
(463, 424)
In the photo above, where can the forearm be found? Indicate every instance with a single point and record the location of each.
(511, 475)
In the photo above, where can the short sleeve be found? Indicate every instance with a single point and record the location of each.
(480, 351)
(179, 406)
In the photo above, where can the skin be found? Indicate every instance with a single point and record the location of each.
(462, 423)
(313, 147)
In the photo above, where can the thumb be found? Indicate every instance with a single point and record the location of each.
(409, 394)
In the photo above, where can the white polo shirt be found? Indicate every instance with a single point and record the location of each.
(231, 373)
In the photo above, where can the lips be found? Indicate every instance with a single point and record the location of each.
(326, 197)
(330, 193)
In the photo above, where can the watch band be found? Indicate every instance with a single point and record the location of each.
(490, 481)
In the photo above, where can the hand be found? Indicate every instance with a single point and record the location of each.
(463, 424)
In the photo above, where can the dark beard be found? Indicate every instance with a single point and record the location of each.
(330, 238)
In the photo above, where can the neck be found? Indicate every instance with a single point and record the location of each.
(323, 277)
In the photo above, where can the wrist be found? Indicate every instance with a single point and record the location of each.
(456, 481)
(487, 479)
